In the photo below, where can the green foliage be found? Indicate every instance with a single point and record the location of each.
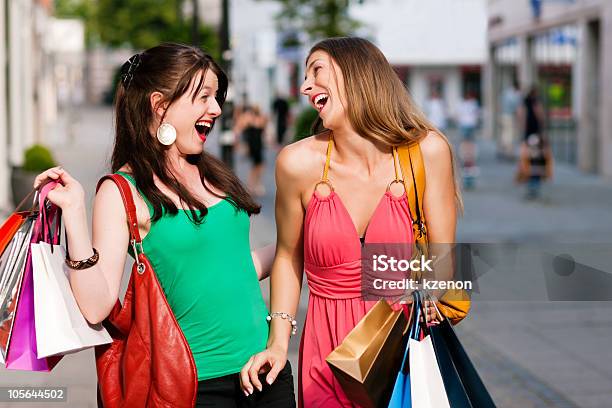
(303, 123)
(38, 158)
(139, 24)
(318, 18)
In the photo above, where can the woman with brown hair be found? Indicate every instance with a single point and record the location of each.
(365, 113)
(193, 213)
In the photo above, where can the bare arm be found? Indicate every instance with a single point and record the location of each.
(287, 271)
(439, 200)
(439, 206)
(288, 267)
(95, 289)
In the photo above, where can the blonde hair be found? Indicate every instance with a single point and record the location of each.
(380, 107)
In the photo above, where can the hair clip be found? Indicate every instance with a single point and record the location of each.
(128, 69)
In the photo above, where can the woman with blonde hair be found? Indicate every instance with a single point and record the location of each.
(365, 114)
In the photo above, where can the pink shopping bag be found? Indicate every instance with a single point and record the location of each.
(22, 352)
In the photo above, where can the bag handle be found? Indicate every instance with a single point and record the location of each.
(415, 327)
(26, 198)
(48, 216)
(413, 172)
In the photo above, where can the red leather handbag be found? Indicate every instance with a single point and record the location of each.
(149, 363)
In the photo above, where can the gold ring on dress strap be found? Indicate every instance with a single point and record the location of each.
(393, 182)
(331, 188)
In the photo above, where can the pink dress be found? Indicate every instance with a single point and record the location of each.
(332, 262)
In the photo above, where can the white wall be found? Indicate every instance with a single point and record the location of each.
(427, 32)
(253, 40)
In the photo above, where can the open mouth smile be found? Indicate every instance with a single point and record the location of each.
(203, 128)
(320, 100)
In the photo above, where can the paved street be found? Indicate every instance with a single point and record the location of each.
(530, 354)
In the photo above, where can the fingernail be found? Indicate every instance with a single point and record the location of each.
(250, 390)
(270, 381)
(259, 388)
(246, 393)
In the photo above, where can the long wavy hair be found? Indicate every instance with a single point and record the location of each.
(170, 69)
(380, 107)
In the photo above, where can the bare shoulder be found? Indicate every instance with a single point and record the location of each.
(302, 160)
(435, 148)
(108, 190)
(108, 195)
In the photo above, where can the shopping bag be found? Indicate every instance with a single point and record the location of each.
(464, 387)
(9, 228)
(426, 385)
(401, 397)
(366, 362)
(60, 325)
(22, 351)
(15, 235)
(12, 267)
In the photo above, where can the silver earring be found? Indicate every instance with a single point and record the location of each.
(166, 134)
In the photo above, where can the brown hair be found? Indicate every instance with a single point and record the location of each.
(380, 107)
(170, 69)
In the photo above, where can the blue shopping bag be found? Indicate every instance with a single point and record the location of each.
(401, 397)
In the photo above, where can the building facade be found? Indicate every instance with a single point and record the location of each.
(435, 46)
(563, 48)
(27, 95)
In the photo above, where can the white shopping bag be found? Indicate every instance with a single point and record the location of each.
(426, 386)
(60, 325)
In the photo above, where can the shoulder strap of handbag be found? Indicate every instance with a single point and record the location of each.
(455, 304)
(128, 202)
(413, 173)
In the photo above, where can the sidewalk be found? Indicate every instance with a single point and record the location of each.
(529, 354)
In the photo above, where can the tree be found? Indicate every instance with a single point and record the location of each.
(137, 23)
(318, 18)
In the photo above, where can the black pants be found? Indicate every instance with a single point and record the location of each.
(225, 392)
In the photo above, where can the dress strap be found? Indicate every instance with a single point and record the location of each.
(330, 146)
(396, 168)
(325, 177)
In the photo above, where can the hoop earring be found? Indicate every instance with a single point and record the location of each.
(166, 134)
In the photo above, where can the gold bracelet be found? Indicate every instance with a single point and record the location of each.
(85, 263)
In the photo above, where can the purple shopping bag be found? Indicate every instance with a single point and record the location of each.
(22, 352)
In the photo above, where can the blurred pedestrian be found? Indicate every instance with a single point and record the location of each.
(339, 190)
(280, 107)
(253, 126)
(468, 118)
(536, 160)
(193, 214)
(510, 103)
(535, 164)
(436, 110)
(531, 113)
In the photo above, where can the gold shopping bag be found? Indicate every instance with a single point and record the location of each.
(369, 358)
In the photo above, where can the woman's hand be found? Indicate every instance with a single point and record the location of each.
(432, 314)
(68, 194)
(272, 360)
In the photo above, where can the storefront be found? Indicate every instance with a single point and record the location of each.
(562, 48)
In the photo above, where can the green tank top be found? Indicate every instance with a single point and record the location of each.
(209, 279)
